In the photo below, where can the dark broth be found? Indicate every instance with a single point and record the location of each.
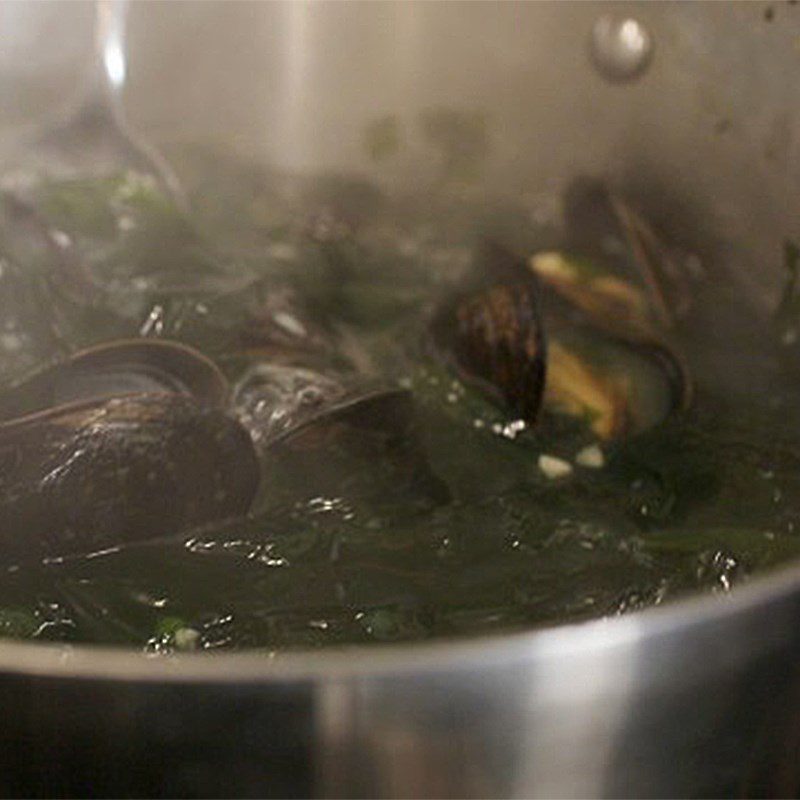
(698, 503)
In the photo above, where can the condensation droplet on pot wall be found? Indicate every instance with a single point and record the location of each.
(621, 47)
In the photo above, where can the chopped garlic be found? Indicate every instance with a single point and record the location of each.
(591, 457)
(553, 467)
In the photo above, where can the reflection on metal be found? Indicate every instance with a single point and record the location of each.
(296, 21)
(621, 47)
(110, 20)
(572, 686)
(698, 699)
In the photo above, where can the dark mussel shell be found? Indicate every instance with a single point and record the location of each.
(327, 435)
(492, 334)
(604, 359)
(102, 473)
(125, 367)
(596, 214)
(277, 403)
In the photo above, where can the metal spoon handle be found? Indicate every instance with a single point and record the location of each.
(109, 65)
(103, 97)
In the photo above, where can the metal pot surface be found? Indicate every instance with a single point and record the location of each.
(698, 698)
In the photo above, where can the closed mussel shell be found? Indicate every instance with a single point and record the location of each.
(103, 473)
(319, 434)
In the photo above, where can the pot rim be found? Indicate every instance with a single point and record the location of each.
(559, 642)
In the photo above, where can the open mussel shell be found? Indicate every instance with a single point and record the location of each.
(600, 219)
(491, 333)
(610, 361)
(618, 387)
(125, 367)
(105, 472)
(605, 357)
(609, 301)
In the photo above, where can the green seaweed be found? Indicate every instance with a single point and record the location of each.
(18, 623)
(699, 503)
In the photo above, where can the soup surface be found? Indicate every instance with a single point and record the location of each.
(469, 520)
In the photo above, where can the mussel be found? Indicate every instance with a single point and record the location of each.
(566, 334)
(610, 362)
(123, 442)
(491, 332)
(122, 367)
(278, 403)
(325, 433)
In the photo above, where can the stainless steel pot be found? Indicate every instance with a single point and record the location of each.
(698, 698)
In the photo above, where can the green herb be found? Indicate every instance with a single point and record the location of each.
(17, 623)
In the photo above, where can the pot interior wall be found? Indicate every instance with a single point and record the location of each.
(705, 139)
